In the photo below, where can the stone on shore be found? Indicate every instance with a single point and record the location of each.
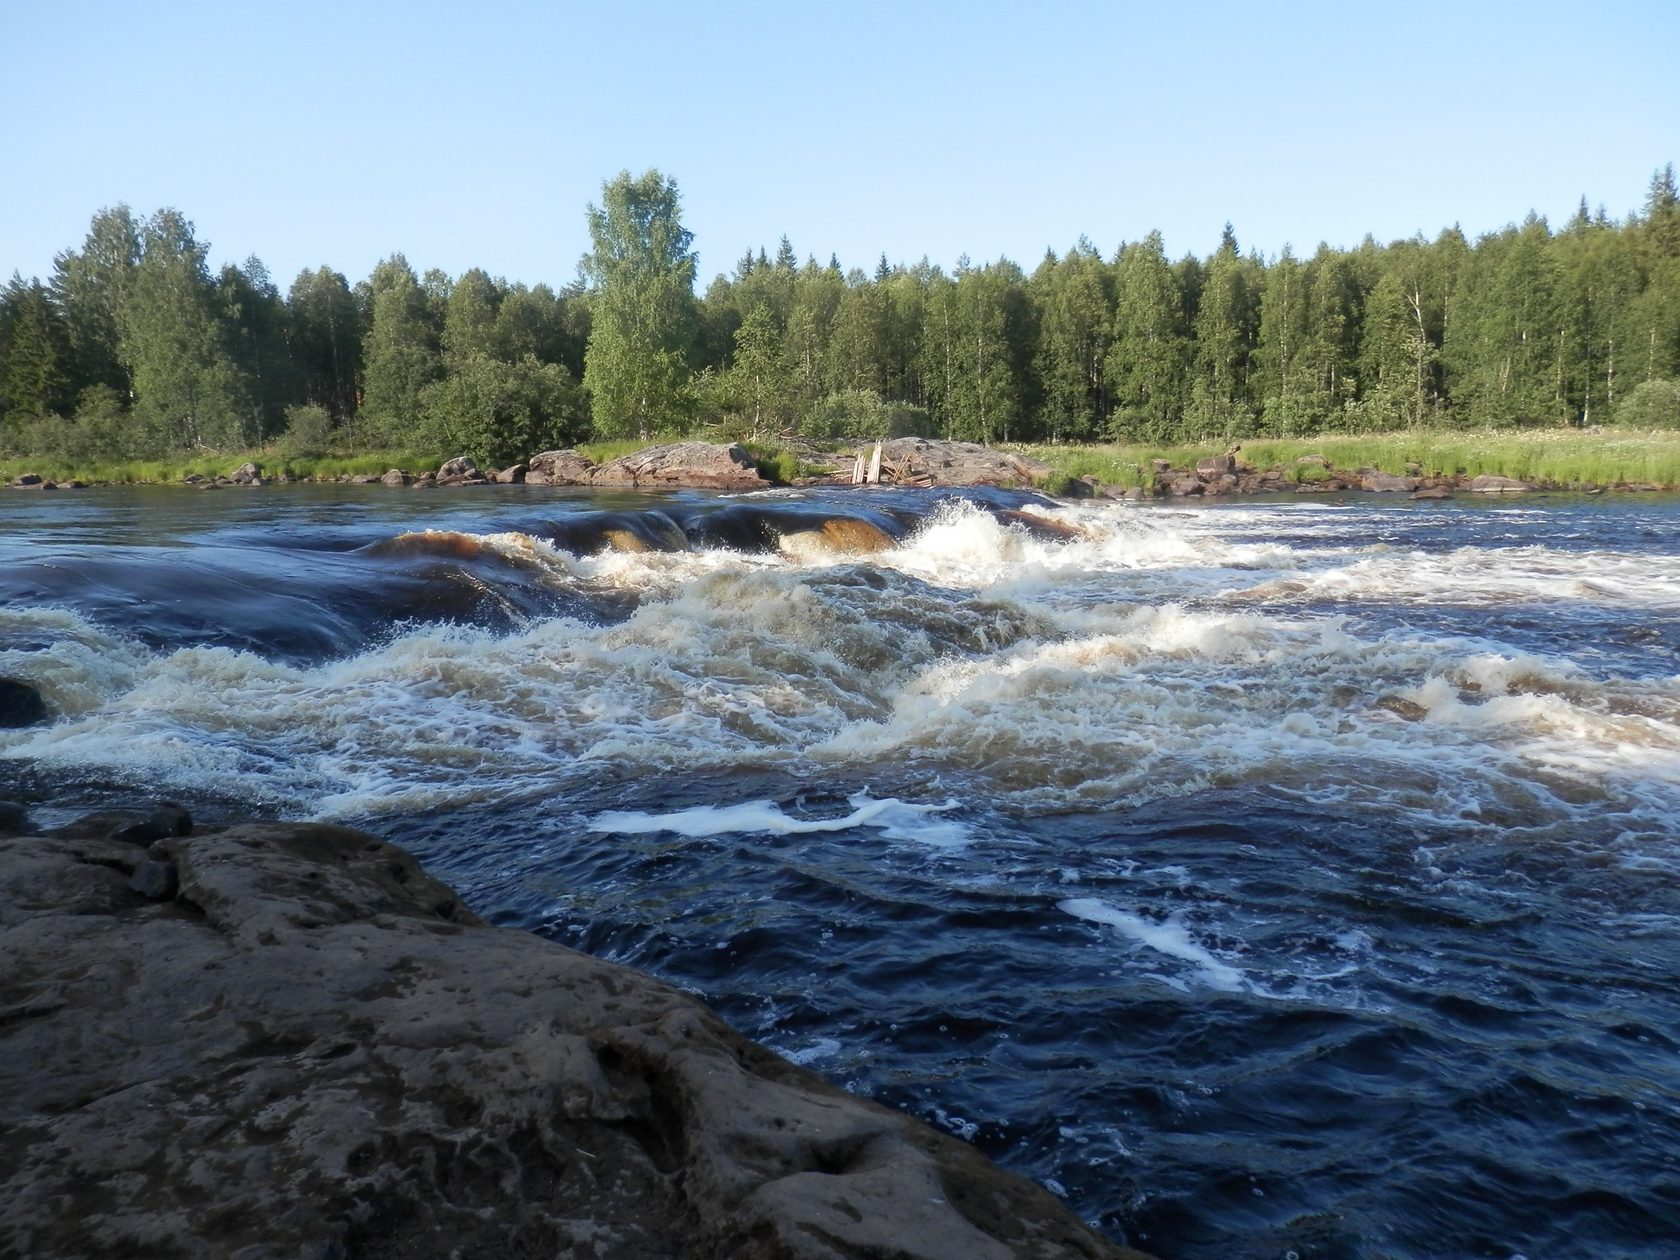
(696, 465)
(1376, 482)
(1487, 483)
(286, 1040)
(558, 468)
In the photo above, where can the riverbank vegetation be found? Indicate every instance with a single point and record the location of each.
(1564, 457)
(136, 357)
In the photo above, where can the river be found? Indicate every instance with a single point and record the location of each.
(1286, 877)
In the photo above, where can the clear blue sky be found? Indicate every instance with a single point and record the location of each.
(473, 134)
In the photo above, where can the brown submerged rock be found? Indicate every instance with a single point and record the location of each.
(289, 1041)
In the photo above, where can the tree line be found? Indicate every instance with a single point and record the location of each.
(135, 346)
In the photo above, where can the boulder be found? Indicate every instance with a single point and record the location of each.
(1409, 710)
(310, 1048)
(699, 465)
(1377, 482)
(1182, 485)
(559, 468)
(1488, 483)
(840, 535)
(20, 704)
(927, 461)
(396, 477)
(1215, 466)
(512, 476)
(460, 466)
(246, 474)
(1432, 492)
(364, 479)
(27, 480)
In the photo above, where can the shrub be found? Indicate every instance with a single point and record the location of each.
(1651, 405)
(309, 432)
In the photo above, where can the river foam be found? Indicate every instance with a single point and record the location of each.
(1279, 876)
(1050, 669)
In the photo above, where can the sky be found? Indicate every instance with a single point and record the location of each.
(476, 134)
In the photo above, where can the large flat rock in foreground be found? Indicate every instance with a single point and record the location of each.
(312, 1049)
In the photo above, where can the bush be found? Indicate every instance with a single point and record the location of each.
(1651, 405)
(309, 432)
(863, 414)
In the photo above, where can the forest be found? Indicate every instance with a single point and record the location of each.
(134, 346)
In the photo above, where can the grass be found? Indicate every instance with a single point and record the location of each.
(1564, 456)
(178, 468)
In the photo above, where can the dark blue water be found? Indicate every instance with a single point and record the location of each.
(1291, 878)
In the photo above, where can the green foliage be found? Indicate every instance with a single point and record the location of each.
(400, 351)
(643, 318)
(502, 412)
(1525, 328)
(861, 414)
(188, 393)
(309, 432)
(1651, 405)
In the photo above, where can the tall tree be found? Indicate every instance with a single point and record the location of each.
(1282, 346)
(763, 378)
(34, 353)
(188, 391)
(91, 287)
(1076, 322)
(1225, 327)
(641, 275)
(326, 337)
(1148, 359)
(400, 353)
(254, 322)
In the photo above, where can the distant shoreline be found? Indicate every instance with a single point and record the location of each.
(1426, 465)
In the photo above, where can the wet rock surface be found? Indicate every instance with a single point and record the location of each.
(20, 704)
(286, 1040)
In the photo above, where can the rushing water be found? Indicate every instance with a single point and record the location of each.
(1293, 877)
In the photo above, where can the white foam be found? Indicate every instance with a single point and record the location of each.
(1166, 936)
(896, 819)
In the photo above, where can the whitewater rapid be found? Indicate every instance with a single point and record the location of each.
(1151, 655)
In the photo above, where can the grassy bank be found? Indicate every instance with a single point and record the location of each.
(775, 462)
(1564, 456)
(178, 468)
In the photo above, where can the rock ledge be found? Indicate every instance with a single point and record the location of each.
(301, 1045)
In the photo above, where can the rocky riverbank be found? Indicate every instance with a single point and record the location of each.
(921, 462)
(286, 1040)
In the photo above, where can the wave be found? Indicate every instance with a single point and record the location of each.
(1048, 667)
